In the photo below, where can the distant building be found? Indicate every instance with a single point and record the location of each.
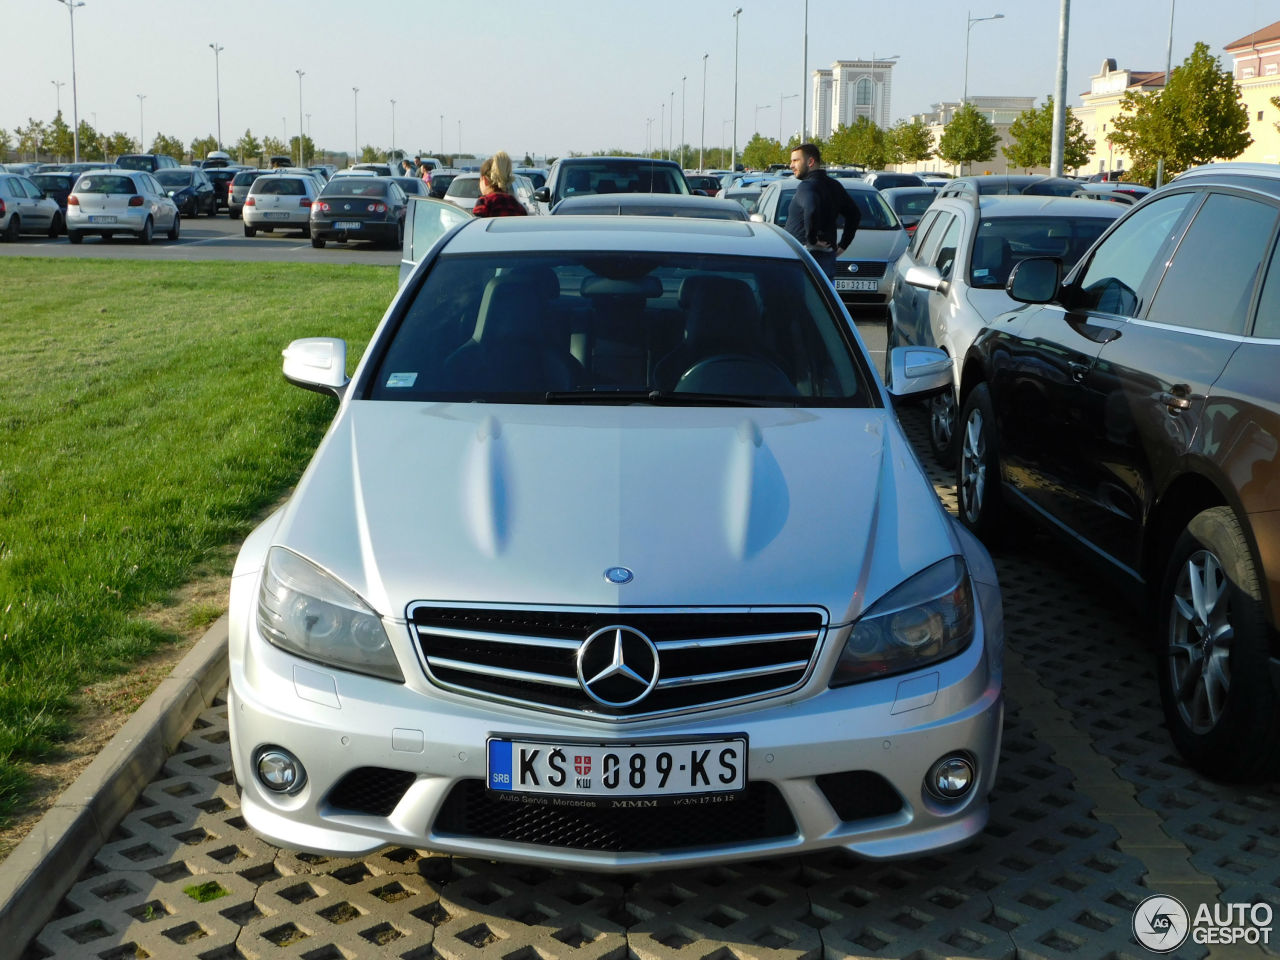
(1000, 113)
(1100, 107)
(1256, 60)
(851, 89)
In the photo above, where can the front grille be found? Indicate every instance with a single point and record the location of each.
(859, 794)
(707, 658)
(371, 790)
(867, 269)
(759, 813)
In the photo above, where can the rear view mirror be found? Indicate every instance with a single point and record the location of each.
(317, 363)
(918, 372)
(1035, 280)
(543, 195)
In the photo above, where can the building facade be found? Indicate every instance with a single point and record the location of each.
(1101, 105)
(1000, 113)
(1256, 64)
(848, 90)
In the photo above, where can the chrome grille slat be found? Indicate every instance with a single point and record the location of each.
(489, 670)
(735, 641)
(486, 636)
(693, 679)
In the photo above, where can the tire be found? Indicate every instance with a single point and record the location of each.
(75, 236)
(306, 231)
(55, 228)
(13, 230)
(943, 414)
(250, 231)
(106, 236)
(978, 468)
(1219, 703)
(148, 228)
(176, 230)
(233, 214)
(317, 243)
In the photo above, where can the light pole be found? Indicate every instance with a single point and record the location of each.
(684, 103)
(703, 146)
(755, 124)
(459, 136)
(968, 30)
(733, 156)
(58, 85)
(142, 138)
(804, 78)
(302, 162)
(355, 121)
(783, 98)
(671, 127)
(442, 149)
(662, 124)
(217, 87)
(75, 105)
(648, 135)
(1168, 66)
(393, 128)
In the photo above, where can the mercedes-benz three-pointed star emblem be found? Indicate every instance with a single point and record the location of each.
(617, 666)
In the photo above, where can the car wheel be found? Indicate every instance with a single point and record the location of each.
(75, 236)
(1219, 702)
(978, 467)
(234, 214)
(306, 231)
(55, 228)
(145, 236)
(317, 243)
(176, 230)
(15, 227)
(250, 231)
(106, 236)
(942, 427)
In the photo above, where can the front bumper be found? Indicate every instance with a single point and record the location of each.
(811, 753)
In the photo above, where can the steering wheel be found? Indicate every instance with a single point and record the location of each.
(731, 373)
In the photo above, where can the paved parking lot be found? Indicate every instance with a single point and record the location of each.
(1092, 813)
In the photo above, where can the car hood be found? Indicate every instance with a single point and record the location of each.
(531, 504)
(876, 245)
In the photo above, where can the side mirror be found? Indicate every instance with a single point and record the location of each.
(543, 195)
(925, 277)
(317, 363)
(918, 372)
(1035, 280)
(757, 218)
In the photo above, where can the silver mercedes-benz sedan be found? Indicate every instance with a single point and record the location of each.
(613, 557)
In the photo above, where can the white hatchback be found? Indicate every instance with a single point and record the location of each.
(280, 201)
(107, 202)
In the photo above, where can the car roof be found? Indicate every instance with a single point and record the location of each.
(849, 183)
(663, 204)
(1263, 176)
(622, 234)
(1027, 205)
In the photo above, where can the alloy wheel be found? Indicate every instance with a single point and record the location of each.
(973, 467)
(1200, 636)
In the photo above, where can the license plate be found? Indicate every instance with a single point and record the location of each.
(276, 216)
(869, 286)
(346, 225)
(102, 219)
(599, 771)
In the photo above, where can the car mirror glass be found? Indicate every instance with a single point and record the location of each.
(1035, 280)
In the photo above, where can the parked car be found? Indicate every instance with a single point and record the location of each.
(702, 181)
(651, 205)
(359, 208)
(107, 202)
(190, 189)
(570, 175)
(1133, 408)
(464, 191)
(280, 201)
(377, 169)
(481, 626)
(440, 180)
(324, 171)
(949, 284)
(537, 175)
(413, 186)
(909, 203)
(990, 183)
(220, 178)
(25, 208)
(56, 185)
(748, 197)
(216, 160)
(864, 275)
(1117, 190)
(884, 179)
(238, 190)
(150, 162)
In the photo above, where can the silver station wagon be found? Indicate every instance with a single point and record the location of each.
(615, 556)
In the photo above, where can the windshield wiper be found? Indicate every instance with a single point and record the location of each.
(677, 398)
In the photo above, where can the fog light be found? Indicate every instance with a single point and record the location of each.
(951, 777)
(279, 770)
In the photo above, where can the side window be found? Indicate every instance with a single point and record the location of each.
(945, 258)
(922, 231)
(931, 243)
(1131, 257)
(1268, 322)
(23, 186)
(1210, 283)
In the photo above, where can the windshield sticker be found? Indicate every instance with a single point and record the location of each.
(401, 380)
(980, 271)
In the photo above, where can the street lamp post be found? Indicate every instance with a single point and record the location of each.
(302, 161)
(683, 106)
(75, 105)
(442, 149)
(355, 121)
(671, 127)
(804, 78)
(1168, 66)
(662, 124)
(217, 87)
(459, 137)
(393, 128)
(58, 85)
(648, 134)
(142, 136)
(755, 124)
(783, 98)
(703, 145)
(733, 156)
(968, 30)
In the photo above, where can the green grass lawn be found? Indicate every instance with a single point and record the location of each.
(144, 422)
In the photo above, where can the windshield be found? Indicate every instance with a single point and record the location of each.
(619, 176)
(281, 186)
(873, 209)
(173, 178)
(620, 328)
(134, 163)
(105, 184)
(355, 187)
(1003, 242)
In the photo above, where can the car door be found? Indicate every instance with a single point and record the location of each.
(36, 214)
(164, 210)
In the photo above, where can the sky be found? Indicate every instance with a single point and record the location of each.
(554, 76)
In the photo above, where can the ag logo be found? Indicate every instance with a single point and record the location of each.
(1160, 924)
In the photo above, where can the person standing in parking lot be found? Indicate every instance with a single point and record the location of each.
(815, 209)
(495, 186)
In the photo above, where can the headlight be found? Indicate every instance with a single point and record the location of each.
(926, 619)
(305, 611)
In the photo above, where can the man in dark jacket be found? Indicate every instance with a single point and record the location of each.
(814, 210)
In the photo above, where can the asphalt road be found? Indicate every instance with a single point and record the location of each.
(207, 238)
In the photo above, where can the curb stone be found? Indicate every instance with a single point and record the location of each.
(45, 865)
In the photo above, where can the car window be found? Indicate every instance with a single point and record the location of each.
(174, 178)
(1267, 323)
(464, 188)
(944, 258)
(26, 186)
(1119, 271)
(1003, 242)
(105, 183)
(355, 187)
(922, 231)
(243, 179)
(1210, 283)
(502, 330)
(875, 212)
(280, 186)
(941, 227)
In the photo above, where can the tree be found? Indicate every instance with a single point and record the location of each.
(5, 143)
(911, 142)
(1032, 136)
(1275, 102)
(117, 144)
(201, 147)
(308, 149)
(271, 147)
(168, 145)
(31, 137)
(370, 154)
(60, 142)
(760, 152)
(1196, 119)
(248, 146)
(91, 147)
(968, 137)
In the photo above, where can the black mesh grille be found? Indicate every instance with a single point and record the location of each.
(372, 790)
(859, 794)
(758, 813)
(547, 643)
(869, 269)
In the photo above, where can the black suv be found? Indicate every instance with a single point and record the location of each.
(1134, 407)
